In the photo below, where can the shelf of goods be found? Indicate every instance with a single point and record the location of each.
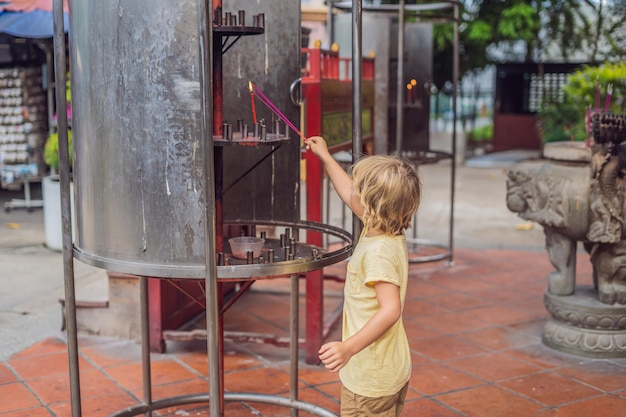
(23, 131)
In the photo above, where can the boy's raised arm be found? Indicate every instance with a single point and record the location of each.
(339, 177)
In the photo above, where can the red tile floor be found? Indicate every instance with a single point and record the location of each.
(474, 328)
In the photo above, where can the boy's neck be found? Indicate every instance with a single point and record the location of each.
(374, 232)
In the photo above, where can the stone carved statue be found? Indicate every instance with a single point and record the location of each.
(581, 202)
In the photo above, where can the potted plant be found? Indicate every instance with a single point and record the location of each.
(479, 139)
(51, 151)
(564, 118)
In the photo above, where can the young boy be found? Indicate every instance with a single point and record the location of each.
(373, 359)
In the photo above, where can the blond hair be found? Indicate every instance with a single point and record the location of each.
(389, 190)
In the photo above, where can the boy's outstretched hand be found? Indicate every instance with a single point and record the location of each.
(317, 145)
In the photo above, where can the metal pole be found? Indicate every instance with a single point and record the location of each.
(400, 85)
(205, 30)
(330, 25)
(60, 68)
(455, 81)
(294, 342)
(145, 343)
(357, 94)
(49, 82)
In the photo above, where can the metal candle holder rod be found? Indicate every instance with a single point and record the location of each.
(229, 132)
(292, 245)
(263, 134)
(217, 17)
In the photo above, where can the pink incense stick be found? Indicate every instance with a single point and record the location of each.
(257, 91)
(263, 98)
(609, 92)
(588, 121)
(597, 96)
(278, 113)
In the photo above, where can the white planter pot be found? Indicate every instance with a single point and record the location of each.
(52, 220)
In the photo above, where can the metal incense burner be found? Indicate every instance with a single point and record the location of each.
(160, 181)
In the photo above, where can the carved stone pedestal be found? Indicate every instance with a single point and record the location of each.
(583, 325)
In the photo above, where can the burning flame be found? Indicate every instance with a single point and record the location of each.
(250, 86)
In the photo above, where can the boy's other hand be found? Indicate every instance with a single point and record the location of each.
(334, 355)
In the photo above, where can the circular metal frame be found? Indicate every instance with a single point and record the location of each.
(229, 396)
(271, 139)
(451, 15)
(444, 253)
(234, 272)
(238, 30)
(428, 6)
(425, 157)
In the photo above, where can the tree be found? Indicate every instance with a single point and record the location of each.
(492, 31)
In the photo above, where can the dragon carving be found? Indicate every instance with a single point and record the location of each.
(581, 203)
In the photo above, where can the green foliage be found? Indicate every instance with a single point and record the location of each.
(51, 147)
(582, 84)
(479, 31)
(443, 35)
(562, 122)
(565, 119)
(519, 22)
(51, 150)
(481, 134)
(591, 31)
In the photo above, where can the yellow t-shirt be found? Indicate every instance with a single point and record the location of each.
(383, 367)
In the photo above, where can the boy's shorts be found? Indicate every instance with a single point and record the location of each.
(353, 405)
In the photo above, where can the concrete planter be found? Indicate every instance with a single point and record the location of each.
(575, 195)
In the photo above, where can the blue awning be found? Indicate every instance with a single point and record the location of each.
(37, 24)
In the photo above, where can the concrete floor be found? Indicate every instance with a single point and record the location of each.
(475, 328)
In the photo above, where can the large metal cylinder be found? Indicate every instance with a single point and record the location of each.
(135, 71)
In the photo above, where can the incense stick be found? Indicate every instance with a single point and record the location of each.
(609, 92)
(252, 101)
(265, 100)
(278, 113)
(597, 95)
